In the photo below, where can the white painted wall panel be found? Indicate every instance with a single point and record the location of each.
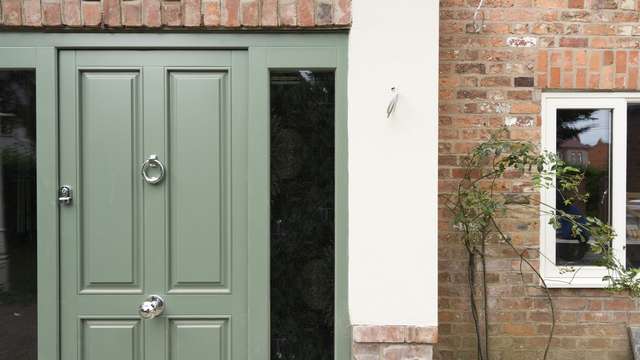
(393, 163)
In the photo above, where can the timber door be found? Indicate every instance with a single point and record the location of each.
(153, 149)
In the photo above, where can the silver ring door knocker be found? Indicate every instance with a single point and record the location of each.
(153, 162)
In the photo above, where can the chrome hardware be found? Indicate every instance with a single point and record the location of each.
(65, 195)
(394, 101)
(152, 307)
(153, 162)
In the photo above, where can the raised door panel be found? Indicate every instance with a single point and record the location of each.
(199, 184)
(111, 339)
(199, 340)
(110, 241)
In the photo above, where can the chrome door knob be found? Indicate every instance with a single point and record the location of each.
(152, 307)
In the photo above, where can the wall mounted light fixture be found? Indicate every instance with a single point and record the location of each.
(394, 101)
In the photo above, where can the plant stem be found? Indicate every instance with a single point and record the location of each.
(472, 297)
(485, 302)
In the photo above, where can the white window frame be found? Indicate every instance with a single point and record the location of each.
(587, 276)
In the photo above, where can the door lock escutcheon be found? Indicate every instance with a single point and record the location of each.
(65, 195)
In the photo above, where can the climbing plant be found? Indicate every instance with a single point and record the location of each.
(477, 206)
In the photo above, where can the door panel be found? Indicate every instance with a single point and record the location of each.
(199, 340)
(184, 238)
(110, 235)
(199, 187)
(99, 335)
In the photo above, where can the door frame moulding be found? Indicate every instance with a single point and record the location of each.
(266, 52)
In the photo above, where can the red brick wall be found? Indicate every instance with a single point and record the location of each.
(154, 14)
(496, 77)
(394, 342)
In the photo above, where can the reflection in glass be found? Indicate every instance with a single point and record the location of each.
(633, 185)
(583, 140)
(302, 215)
(17, 216)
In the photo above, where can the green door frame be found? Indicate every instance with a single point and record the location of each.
(267, 51)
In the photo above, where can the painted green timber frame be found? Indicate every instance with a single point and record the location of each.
(267, 51)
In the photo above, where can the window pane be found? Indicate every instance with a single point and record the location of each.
(633, 186)
(583, 140)
(17, 215)
(302, 215)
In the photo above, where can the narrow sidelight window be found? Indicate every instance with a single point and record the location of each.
(302, 215)
(18, 215)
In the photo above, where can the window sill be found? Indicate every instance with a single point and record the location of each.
(575, 283)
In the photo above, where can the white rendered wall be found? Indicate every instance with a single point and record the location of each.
(393, 163)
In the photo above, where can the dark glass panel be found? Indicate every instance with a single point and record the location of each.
(302, 215)
(17, 215)
(583, 140)
(633, 186)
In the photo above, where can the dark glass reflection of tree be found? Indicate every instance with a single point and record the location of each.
(633, 186)
(17, 216)
(302, 215)
(583, 138)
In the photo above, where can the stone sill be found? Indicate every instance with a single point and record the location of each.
(395, 334)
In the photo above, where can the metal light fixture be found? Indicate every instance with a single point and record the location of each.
(394, 101)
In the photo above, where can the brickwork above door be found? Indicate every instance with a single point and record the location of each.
(175, 14)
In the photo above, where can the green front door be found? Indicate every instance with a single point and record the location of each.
(181, 236)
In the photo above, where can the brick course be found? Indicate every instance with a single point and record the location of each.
(496, 78)
(154, 14)
(393, 342)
